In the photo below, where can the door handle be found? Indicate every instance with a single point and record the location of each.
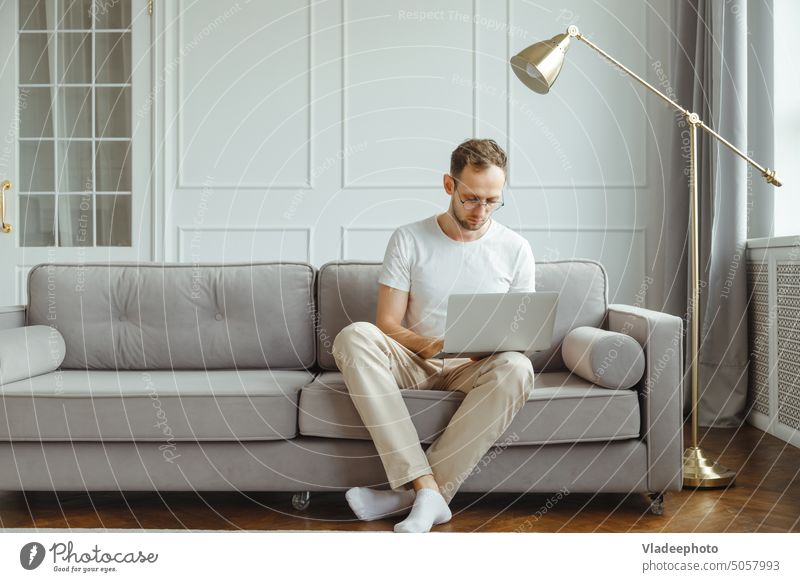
(6, 185)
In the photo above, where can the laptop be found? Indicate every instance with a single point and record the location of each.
(482, 324)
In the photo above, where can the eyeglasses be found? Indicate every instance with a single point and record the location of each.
(473, 203)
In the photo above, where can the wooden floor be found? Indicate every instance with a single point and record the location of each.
(765, 498)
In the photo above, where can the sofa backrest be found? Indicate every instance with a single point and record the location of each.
(130, 316)
(347, 291)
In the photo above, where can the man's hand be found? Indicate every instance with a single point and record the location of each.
(435, 346)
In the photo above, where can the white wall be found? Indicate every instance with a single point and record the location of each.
(310, 133)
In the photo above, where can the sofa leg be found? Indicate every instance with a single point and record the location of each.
(301, 499)
(657, 503)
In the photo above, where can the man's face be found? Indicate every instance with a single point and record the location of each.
(475, 184)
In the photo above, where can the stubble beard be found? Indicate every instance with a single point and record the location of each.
(465, 224)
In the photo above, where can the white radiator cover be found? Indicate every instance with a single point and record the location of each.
(773, 278)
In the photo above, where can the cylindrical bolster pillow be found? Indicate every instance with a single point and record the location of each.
(29, 351)
(606, 358)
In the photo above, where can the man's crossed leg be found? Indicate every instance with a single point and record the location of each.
(375, 367)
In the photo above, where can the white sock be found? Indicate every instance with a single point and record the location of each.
(430, 509)
(369, 504)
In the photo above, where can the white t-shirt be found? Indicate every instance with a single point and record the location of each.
(421, 259)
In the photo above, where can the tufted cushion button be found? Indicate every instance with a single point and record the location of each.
(218, 317)
(123, 318)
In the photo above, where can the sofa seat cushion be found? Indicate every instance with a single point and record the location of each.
(155, 405)
(562, 408)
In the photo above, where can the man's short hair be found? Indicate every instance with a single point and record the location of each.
(477, 152)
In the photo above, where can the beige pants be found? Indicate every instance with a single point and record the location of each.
(376, 367)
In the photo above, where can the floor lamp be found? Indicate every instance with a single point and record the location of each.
(538, 67)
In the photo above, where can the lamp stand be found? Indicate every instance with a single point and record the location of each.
(698, 470)
(538, 67)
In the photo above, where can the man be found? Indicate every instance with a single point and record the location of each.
(459, 251)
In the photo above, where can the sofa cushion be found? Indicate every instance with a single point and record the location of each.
(158, 405)
(347, 291)
(582, 287)
(177, 316)
(562, 408)
(29, 351)
(606, 358)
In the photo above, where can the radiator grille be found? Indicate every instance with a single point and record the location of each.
(758, 318)
(788, 342)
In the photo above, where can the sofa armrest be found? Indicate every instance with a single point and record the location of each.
(12, 316)
(661, 394)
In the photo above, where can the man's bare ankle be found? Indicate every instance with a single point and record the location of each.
(425, 482)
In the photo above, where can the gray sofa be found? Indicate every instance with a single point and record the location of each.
(220, 377)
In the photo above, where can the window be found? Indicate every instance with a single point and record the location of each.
(75, 122)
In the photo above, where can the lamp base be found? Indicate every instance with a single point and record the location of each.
(703, 473)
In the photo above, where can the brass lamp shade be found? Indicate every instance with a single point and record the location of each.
(538, 65)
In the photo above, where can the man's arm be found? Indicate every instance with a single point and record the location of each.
(392, 304)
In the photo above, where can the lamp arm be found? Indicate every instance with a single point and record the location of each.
(768, 174)
(692, 118)
(573, 31)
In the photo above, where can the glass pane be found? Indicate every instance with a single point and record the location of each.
(113, 221)
(75, 57)
(75, 217)
(75, 112)
(35, 107)
(113, 166)
(36, 166)
(37, 216)
(75, 166)
(110, 14)
(75, 14)
(113, 57)
(113, 111)
(34, 58)
(32, 15)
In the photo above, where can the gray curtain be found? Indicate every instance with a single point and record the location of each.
(710, 72)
